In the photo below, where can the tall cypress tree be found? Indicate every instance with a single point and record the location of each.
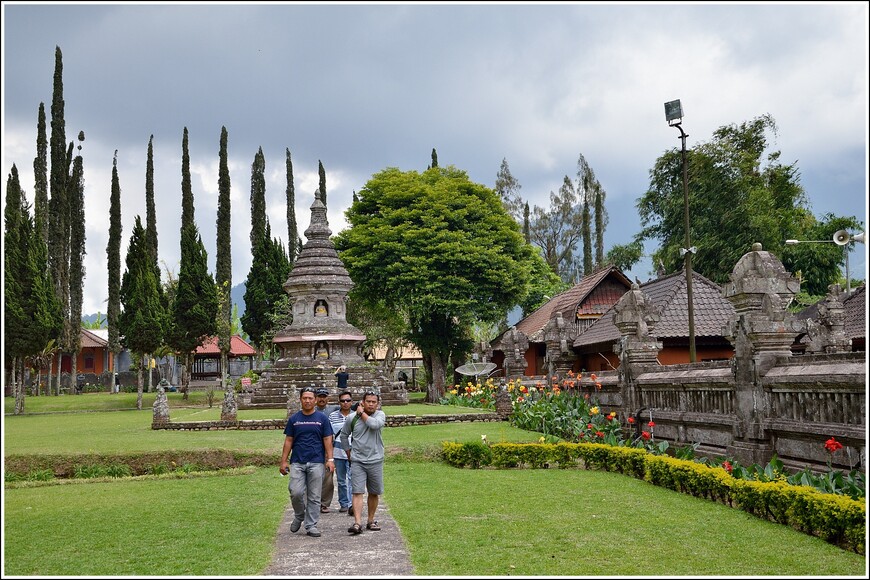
(292, 228)
(187, 211)
(322, 172)
(194, 309)
(600, 223)
(434, 159)
(142, 321)
(59, 226)
(264, 287)
(77, 254)
(150, 211)
(223, 266)
(15, 282)
(258, 199)
(40, 174)
(113, 251)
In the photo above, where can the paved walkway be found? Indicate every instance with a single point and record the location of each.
(337, 553)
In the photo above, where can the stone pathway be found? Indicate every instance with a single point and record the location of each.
(338, 554)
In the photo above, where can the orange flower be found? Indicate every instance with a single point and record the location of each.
(593, 377)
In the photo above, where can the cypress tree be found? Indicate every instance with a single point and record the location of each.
(527, 233)
(600, 223)
(434, 159)
(292, 229)
(15, 282)
(322, 172)
(40, 174)
(142, 319)
(59, 211)
(113, 251)
(186, 190)
(258, 199)
(77, 254)
(264, 287)
(223, 267)
(150, 211)
(194, 308)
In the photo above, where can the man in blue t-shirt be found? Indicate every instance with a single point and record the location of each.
(307, 443)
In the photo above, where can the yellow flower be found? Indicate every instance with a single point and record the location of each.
(594, 410)
(541, 440)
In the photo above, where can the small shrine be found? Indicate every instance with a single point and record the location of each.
(319, 339)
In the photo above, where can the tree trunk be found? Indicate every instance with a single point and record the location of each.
(74, 381)
(150, 378)
(224, 370)
(435, 389)
(114, 371)
(59, 363)
(139, 382)
(19, 391)
(185, 376)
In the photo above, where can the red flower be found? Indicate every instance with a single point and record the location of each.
(651, 424)
(590, 426)
(645, 435)
(609, 417)
(833, 445)
(727, 466)
(599, 434)
(631, 420)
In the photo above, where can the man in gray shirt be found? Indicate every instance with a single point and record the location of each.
(366, 458)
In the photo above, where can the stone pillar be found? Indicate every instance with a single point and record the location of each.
(762, 330)
(635, 316)
(160, 408)
(229, 410)
(503, 403)
(559, 337)
(515, 346)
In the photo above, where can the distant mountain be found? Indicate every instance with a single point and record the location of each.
(89, 319)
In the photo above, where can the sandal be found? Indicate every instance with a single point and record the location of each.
(373, 526)
(354, 529)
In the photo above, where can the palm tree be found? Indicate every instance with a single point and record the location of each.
(42, 358)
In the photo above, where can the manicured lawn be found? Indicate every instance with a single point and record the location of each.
(456, 521)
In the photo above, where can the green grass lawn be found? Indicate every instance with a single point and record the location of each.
(455, 521)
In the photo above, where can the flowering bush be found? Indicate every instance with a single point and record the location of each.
(477, 395)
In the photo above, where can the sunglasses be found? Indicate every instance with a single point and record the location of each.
(344, 400)
(307, 390)
(375, 393)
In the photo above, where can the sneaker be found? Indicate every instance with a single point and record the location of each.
(294, 527)
(313, 532)
(342, 510)
(350, 511)
(324, 510)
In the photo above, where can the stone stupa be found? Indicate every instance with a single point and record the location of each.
(320, 338)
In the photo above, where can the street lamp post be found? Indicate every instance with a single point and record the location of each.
(674, 116)
(841, 238)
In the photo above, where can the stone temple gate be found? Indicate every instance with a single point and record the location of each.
(319, 338)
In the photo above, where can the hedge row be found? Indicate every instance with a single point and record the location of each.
(65, 466)
(837, 519)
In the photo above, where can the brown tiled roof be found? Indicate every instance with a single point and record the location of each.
(238, 347)
(569, 302)
(711, 311)
(91, 340)
(855, 309)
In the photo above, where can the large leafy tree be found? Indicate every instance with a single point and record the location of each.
(143, 319)
(224, 264)
(113, 253)
(441, 250)
(293, 245)
(264, 287)
(738, 195)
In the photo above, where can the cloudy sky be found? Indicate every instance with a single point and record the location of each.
(365, 87)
